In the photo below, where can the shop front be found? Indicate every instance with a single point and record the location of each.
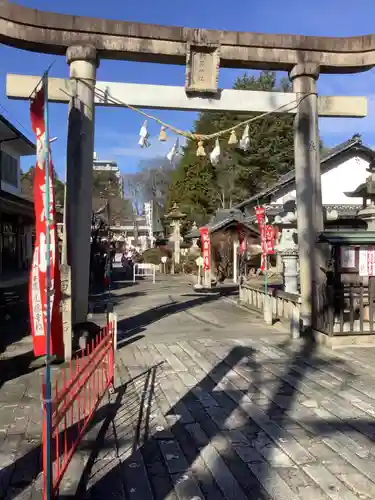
(16, 234)
(17, 220)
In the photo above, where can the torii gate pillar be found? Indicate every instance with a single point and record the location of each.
(83, 62)
(308, 188)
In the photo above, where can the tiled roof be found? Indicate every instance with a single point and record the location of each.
(221, 219)
(355, 142)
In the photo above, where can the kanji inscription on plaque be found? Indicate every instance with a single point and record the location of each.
(202, 68)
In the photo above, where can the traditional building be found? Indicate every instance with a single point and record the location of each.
(109, 167)
(234, 224)
(125, 228)
(16, 212)
(341, 167)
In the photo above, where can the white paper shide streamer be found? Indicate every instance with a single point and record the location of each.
(143, 136)
(245, 139)
(215, 153)
(174, 151)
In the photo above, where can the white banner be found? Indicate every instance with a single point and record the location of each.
(367, 261)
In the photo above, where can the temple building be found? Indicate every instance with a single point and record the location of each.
(17, 219)
(341, 166)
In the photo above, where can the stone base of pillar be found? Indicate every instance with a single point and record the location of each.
(267, 310)
(207, 279)
(295, 323)
(290, 274)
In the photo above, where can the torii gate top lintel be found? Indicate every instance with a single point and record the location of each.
(53, 33)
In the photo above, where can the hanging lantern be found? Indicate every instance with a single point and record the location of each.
(143, 136)
(200, 149)
(174, 151)
(245, 139)
(232, 137)
(163, 134)
(215, 153)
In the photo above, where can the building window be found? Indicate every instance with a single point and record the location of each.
(9, 169)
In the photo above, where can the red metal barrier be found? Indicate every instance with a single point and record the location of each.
(76, 396)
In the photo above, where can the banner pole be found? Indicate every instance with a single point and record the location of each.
(48, 391)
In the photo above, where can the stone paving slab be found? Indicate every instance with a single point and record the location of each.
(252, 418)
(210, 404)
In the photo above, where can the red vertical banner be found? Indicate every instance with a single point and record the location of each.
(267, 234)
(269, 237)
(242, 246)
(242, 240)
(38, 275)
(206, 248)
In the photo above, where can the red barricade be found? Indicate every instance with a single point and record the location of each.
(76, 396)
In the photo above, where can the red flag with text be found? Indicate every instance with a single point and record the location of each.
(38, 275)
(206, 248)
(267, 235)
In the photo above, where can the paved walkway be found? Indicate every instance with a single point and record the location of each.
(210, 404)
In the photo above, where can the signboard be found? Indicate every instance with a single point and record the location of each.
(367, 261)
(199, 261)
(202, 68)
(66, 309)
(206, 248)
(347, 257)
(38, 276)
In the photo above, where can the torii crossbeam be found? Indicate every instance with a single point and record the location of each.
(175, 98)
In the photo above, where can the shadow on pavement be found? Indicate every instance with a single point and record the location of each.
(17, 366)
(220, 425)
(138, 323)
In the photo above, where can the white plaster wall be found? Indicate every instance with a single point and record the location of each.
(343, 177)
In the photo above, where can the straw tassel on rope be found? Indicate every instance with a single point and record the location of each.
(232, 138)
(200, 149)
(163, 134)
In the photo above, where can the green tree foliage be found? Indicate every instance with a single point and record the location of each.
(201, 188)
(105, 183)
(27, 185)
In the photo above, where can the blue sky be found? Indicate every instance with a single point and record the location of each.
(116, 132)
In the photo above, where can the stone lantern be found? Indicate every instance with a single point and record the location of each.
(194, 247)
(287, 247)
(175, 216)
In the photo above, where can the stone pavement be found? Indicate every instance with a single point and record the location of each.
(209, 404)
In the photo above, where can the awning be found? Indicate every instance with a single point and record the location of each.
(19, 142)
(16, 205)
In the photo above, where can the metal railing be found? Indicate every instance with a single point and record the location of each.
(143, 270)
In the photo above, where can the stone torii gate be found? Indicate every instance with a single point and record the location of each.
(84, 40)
